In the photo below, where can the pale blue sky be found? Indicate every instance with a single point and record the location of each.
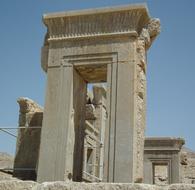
(171, 63)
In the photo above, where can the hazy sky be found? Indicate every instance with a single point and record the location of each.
(171, 63)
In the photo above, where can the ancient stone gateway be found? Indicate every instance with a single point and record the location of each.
(92, 46)
(162, 157)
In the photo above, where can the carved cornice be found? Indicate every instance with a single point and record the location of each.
(126, 20)
(163, 143)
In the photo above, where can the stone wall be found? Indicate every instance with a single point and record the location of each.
(28, 185)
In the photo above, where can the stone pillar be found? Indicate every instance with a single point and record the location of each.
(80, 92)
(102, 45)
(99, 102)
(121, 122)
(126, 107)
(28, 139)
(63, 122)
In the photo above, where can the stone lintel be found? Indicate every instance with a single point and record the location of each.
(112, 21)
(163, 144)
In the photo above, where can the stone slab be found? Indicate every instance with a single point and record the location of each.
(98, 11)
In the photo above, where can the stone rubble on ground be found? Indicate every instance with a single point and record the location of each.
(59, 185)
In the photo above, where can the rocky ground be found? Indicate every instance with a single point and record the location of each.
(28, 185)
(7, 182)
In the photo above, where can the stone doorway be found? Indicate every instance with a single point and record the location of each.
(89, 137)
(90, 46)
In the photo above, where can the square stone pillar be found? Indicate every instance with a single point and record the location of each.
(99, 101)
(63, 122)
(101, 45)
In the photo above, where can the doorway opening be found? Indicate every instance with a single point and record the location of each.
(90, 79)
(95, 122)
(160, 174)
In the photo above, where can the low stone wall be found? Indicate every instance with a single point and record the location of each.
(28, 185)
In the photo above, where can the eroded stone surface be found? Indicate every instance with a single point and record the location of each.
(28, 105)
(188, 166)
(140, 111)
(28, 185)
(16, 185)
(28, 140)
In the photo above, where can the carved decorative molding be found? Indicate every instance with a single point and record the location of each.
(163, 143)
(92, 67)
(127, 20)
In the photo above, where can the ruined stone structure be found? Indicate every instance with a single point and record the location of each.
(91, 46)
(28, 141)
(165, 160)
(162, 160)
(97, 136)
(187, 162)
